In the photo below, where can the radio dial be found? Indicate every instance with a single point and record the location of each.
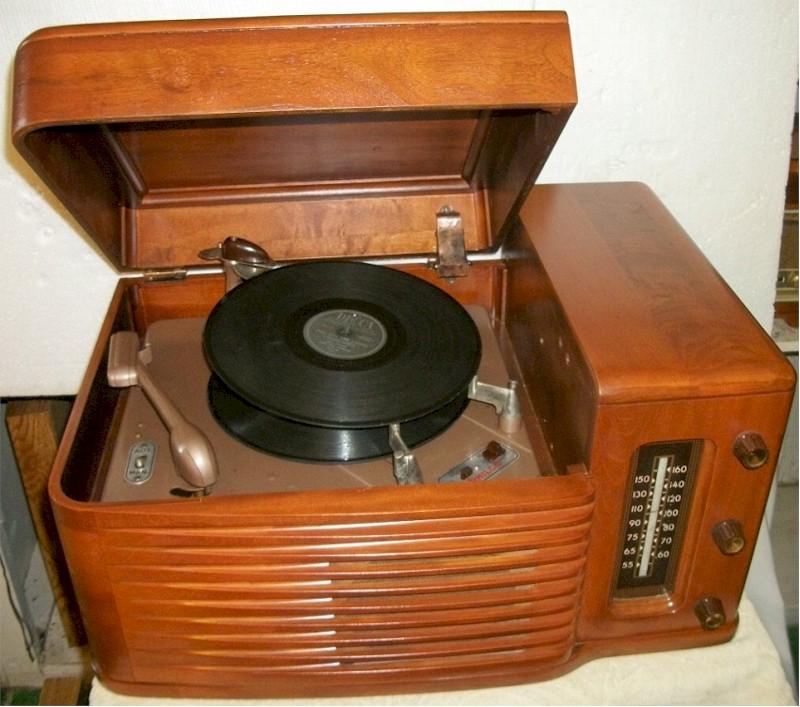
(658, 503)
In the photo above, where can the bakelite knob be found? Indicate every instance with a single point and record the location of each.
(729, 536)
(710, 613)
(750, 449)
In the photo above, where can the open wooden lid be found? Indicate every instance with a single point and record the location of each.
(312, 136)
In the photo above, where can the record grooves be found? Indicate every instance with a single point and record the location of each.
(313, 361)
(294, 440)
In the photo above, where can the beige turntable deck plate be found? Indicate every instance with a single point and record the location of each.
(179, 367)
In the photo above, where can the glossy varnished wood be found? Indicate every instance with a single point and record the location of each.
(723, 489)
(429, 587)
(639, 341)
(552, 366)
(621, 332)
(419, 595)
(295, 64)
(311, 137)
(293, 228)
(652, 315)
(297, 149)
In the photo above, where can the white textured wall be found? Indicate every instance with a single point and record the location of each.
(696, 99)
(693, 98)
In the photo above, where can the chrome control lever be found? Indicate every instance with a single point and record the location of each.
(191, 451)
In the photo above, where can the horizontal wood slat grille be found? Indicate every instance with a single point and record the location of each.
(361, 601)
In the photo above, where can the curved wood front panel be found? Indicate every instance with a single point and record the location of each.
(225, 593)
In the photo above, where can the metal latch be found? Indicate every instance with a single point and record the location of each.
(451, 260)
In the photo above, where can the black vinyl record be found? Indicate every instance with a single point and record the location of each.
(342, 345)
(295, 440)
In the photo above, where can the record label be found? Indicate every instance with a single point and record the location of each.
(345, 334)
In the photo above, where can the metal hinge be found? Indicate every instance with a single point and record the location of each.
(451, 260)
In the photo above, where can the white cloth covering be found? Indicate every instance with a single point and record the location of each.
(744, 671)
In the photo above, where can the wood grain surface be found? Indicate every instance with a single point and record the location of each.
(335, 137)
(160, 70)
(431, 587)
(650, 312)
(343, 136)
(60, 691)
(35, 427)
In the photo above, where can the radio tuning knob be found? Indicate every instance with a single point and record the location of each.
(729, 536)
(751, 450)
(710, 613)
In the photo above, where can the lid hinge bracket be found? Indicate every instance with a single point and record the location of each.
(451, 259)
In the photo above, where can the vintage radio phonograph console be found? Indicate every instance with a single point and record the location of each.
(368, 413)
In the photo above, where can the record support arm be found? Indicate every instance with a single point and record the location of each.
(504, 400)
(406, 469)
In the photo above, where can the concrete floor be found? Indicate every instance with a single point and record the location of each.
(783, 534)
(785, 547)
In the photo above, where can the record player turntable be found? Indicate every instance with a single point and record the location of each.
(370, 412)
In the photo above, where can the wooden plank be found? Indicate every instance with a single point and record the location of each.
(35, 427)
(60, 691)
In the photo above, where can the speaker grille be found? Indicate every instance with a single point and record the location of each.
(343, 603)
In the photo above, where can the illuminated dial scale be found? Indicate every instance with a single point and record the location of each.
(658, 503)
